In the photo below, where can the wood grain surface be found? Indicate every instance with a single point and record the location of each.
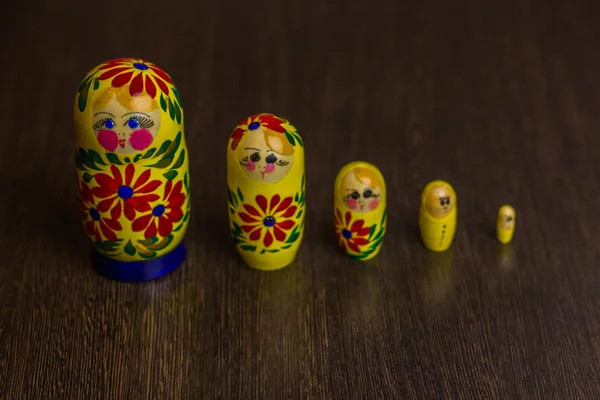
(501, 99)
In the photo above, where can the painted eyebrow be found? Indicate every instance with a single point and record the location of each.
(251, 148)
(352, 190)
(103, 112)
(136, 112)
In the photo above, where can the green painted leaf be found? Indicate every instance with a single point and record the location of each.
(137, 158)
(78, 163)
(87, 177)
(299, 140)
(293, 235)
(299, 214)
(178, 96)
(129, 248)
(240, 195)
(171, 110)
(185, 181)
(127, 160)
(290, 138)
(372, 230)
(296, 198)
(178, 228)
(95, 157)
(86, 160)
(147, 255)
(113, 158)
(237, 230)
(96, 83)
(170, 175)
(302, 184)
(287, 246)
(163, 163)
(162, 244)
(232, 198)
(84, 82)
(163, 148)
(248, 247)
(149, 241)
(180, 160)
(177, 113)
(149, 153)
(187, 215)
(163, 103)
(83, 96)
(232, 211)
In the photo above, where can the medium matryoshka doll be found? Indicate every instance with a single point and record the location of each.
(132, 169)
(360, 209)
(265, 175)
(438, 215)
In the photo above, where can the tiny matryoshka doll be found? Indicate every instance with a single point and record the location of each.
(505, 224)
(438, 215)
(132, 169)
(265, 176)
(360, 209)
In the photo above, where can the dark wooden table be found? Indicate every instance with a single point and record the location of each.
(502, 100)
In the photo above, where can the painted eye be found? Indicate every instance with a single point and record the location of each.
(355, 195)
(368, 193)
(509, 219)
(109, 124)
(271, 159)
(133, 123)
(255, 157)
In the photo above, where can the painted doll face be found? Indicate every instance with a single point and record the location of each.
(439, 201)
(506, 218)
(261, 162)
(359, 196)
(124, 131)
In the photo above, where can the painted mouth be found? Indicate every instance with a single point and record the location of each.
(122, 143)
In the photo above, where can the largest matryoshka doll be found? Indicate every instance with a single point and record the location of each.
(265, 175)
(132, 169)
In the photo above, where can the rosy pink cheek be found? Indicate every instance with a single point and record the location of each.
(352, 203)
(373, 204)
(251, 166)
(270, 167)
(140, 139)
(108, 139)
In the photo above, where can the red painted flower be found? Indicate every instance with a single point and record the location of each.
(129, 197)
(272, 216)
(141, 75)
(95, 224)
(351, 236)
(164, 214)
(254, 122)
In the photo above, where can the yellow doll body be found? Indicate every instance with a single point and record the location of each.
(438, 216)
(360, 209)
(131, 160)
(265, 177)
(505, 224)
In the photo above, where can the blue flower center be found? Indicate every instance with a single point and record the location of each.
(346, 233)
(94, 214)
(269, 221)
(140, 66)
(254, 126)
(158, 210)
(125, 192)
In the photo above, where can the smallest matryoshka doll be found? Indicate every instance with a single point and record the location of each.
(438, 215)
(505, 224)
(360, 209)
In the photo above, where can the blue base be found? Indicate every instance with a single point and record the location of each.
(136, 271)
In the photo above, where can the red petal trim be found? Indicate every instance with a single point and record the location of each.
(262, 202)
(122, 80)
(288, 224)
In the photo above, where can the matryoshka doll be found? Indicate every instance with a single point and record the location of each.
(438, 215)
(505, 224)
(265, 176)
(360, 209)
(132, 169)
